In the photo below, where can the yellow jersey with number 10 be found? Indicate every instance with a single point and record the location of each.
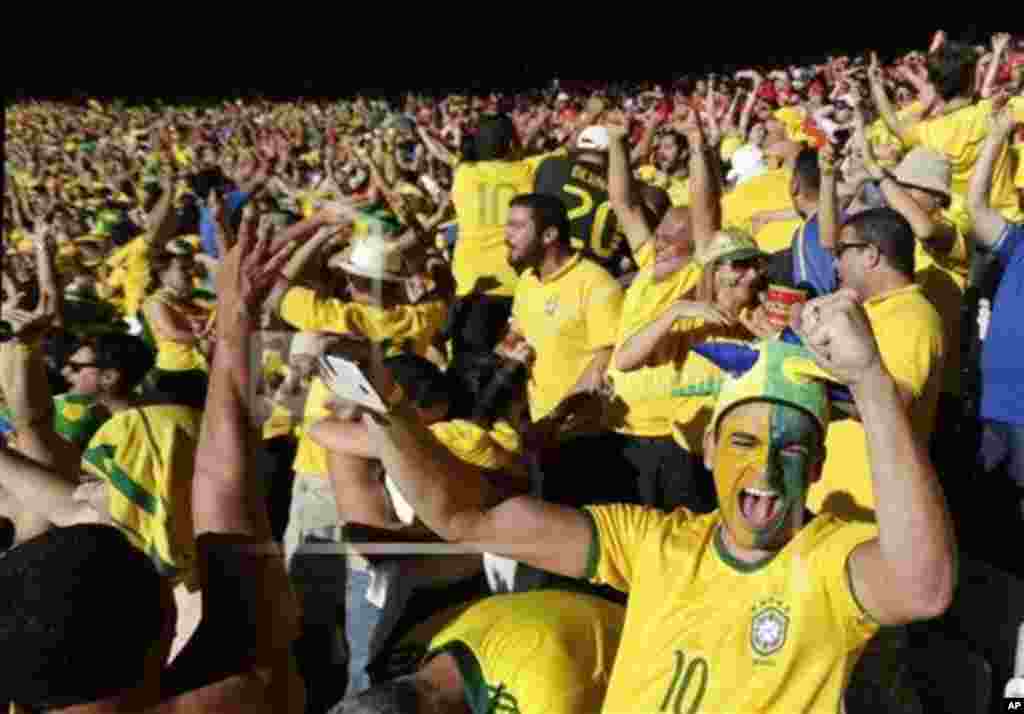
(481, 193)
(705, 634)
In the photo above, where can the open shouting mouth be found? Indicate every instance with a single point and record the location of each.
(760, 508)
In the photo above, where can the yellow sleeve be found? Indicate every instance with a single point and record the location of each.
(534, 162)
(914, 136)
(604, 309)
(618, 534)
(301, 309)
(910, 352)
(1017, 107)
(644, 258)
(831, 561)
(1018, 180)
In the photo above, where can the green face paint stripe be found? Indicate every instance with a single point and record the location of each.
(787, 426)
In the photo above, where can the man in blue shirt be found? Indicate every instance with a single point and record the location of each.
(813, 260)
(1002, 370)
(203, 184)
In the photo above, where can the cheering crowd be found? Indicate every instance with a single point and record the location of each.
(697, 397)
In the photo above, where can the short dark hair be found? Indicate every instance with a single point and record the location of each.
(548, 212)
(399, 696)
(128, 354)
(951, 70)
(495, 137)
(424, 384)
(808, 171)
(58, 600)
(486, 384)
(890, 232)
(208, 180)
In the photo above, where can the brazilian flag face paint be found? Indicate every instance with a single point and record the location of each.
(763, 462)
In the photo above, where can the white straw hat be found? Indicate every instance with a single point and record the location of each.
(371, 257)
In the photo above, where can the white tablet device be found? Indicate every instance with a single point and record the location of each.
(347, 381)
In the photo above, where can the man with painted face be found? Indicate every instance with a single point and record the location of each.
(757, 606)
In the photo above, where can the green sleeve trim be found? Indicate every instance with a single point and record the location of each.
(473, 682)
(853, 592)
(594, 548)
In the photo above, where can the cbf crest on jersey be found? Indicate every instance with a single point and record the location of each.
(769, 627)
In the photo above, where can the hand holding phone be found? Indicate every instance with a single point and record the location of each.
(349, 383)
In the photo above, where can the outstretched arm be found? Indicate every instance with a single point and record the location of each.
(454, 500)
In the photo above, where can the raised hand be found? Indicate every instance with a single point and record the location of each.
(875, 69)
(1002, 123)
(837, 332)
(30, 325)
(1000, 42)
(243, 282)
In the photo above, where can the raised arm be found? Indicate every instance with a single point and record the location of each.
(46, 270)
(1000, 43)
(908, 572)
(642, 150)
(435, 148)
(937, 237)
(884, 105)
(620, 192)
(297, 263)
(162, 221)
(242, 570)
(705, 186)
(828, 215)
(44, 477)
(989, 224)
(748, 109)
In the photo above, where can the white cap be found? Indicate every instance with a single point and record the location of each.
(747, 163)
(594, 138)
(563, 97)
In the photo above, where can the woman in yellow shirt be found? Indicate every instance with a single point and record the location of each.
(180, 325)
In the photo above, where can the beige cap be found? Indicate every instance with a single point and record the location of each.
(926, 169)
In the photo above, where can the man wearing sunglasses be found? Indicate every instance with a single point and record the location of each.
(875, 257)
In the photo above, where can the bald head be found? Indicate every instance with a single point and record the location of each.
(785, 151)
(673, 242)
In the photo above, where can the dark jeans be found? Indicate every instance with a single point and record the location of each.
(1002, 446)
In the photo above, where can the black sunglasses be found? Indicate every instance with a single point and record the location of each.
(79, 366)
(843, 247)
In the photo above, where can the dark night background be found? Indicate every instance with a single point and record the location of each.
(810, 41)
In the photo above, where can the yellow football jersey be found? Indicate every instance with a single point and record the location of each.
(766, 193)
(649, 415)
(910, 335)
(147, 456)
(481, 193)
(566, 317)
(678, 189)
(708, 635)
(960, 135)
(548, 651)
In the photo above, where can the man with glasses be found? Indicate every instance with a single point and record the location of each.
(874, 257)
